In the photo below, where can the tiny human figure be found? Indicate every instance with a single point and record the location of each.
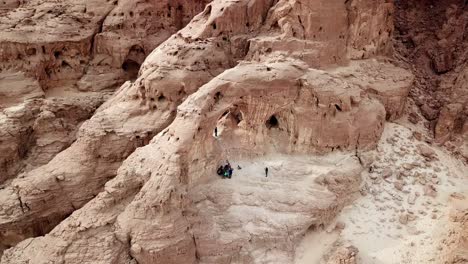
(239, 167)
(216, 131)
(230, 173)
(266, 171)
(220, 171)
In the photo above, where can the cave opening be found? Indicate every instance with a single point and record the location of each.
(161, 98)
(131, 67)
(218, 96)
(238, 117)
(272, 122)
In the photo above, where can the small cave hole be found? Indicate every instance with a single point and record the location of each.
(312, 228)
(338, 107)
(207, 11)
(218, 96)
(131, 67)
(57, 54)
(65, 64)
(238, 117)
(268, 69)
(161, 98)
(272, 122)
(214, 26)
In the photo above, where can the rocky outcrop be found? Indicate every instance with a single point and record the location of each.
(59, 50)
(170, 193)
(383, 81)
(127, 121)
(275, 77)
(33, 132)
(94, 45)
(436, 52)
(15, 88)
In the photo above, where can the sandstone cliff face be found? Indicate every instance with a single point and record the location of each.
(284, 78)
(57, 50)
(202, 45)
(432, 40)
(34, 132)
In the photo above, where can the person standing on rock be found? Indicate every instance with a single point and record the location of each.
(266, 171)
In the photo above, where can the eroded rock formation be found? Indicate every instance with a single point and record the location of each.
(301, 87)
(431, 38)
(56, 50)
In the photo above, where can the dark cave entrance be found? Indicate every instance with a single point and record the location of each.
(131, 67)
(272, 122)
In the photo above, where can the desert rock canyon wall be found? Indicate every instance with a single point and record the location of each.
(107, 149)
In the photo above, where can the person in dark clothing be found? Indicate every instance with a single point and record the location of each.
(266, 171)
(220, 171)
(230, 173)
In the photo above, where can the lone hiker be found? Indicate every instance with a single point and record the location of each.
(266, 171)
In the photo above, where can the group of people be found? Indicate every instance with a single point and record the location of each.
(225, 171)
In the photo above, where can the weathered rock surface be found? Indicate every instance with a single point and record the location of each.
(56, 50)
(344, 255)
(436, 52)
(35, 131)
(279, 80)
